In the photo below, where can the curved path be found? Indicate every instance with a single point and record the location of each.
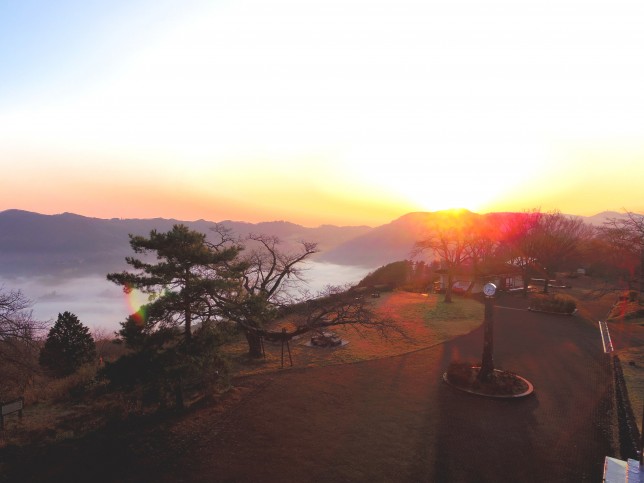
(393, 419)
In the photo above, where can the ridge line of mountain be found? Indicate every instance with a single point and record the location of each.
(36, 244)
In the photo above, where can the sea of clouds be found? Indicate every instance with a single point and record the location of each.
(100, 304)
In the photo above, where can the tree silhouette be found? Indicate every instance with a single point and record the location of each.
(627, 236)
(18, 343)
(556, 242)
(189, 270)
(69, 345)
(451, 239)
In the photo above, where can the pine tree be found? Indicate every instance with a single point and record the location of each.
(189, 270)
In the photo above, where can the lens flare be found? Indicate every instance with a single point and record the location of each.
(136, 302)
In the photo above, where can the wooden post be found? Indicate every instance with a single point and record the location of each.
(288, 347)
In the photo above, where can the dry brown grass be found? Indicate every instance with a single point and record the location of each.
(626, 313)
(632, 360)
(423, 320)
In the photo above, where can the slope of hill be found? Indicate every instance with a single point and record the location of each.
(600, 218)
(391, 242)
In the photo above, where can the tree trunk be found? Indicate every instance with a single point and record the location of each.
(254, 345)
(448, 289)
(188, 324)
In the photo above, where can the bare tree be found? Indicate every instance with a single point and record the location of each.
(265, 276)
(269, 288)
(18, 342)
(483, 248)
(627, 236)
(555, 242)
(517, 242)
(451, 239)
(334, 306)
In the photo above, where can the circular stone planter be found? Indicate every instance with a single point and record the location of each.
(486, 392)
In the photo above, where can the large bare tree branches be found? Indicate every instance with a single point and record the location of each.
(452, 240)
(18, 348)
(16, 321)
(334, 306)
(626, 235)
(271, 270)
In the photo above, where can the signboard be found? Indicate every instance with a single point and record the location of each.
(14, 406)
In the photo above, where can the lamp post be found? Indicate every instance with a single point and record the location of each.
(487, 361)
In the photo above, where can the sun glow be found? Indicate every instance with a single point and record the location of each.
(324, 112)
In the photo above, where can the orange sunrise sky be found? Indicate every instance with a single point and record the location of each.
(341, 112)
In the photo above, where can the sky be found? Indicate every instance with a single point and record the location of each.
(338, 111)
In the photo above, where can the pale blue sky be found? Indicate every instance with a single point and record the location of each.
(50, 48)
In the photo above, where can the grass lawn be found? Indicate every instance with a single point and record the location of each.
(422, 320)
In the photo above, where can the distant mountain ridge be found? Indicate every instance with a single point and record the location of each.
(74, 245)
(33, 244)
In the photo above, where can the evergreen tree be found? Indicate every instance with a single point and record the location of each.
(68, 346)
(188, 271)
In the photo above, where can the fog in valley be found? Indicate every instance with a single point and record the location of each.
(99, 303)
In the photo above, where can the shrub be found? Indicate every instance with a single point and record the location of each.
(73, 386)
(558, 303)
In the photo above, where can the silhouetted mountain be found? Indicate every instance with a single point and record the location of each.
(387, 243)
(600, 218)
(74, 245)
